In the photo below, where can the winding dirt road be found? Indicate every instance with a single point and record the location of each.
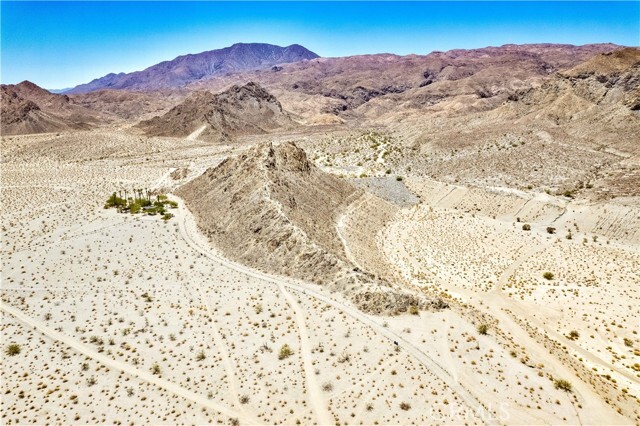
(190, 233)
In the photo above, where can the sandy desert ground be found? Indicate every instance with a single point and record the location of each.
(132, 319)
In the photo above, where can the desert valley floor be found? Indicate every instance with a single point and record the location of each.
(132, 319)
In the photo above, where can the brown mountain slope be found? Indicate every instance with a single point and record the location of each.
(272, 209)
(241, 110)
(188, 68)
(375, 86)
(596, 100)
(128, 105)
(576, 134)
(28, 108)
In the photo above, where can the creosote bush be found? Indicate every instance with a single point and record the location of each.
(563, 385)
(13, 349)
(285, 352)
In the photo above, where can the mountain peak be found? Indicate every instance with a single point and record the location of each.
(188, 68)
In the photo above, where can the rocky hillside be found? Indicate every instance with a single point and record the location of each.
(28, 108)
(189, 68)
(385, 85)
(272, 209)
(240, 110)
(596, 100)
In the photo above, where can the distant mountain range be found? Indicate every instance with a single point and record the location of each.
(193, 67)
(226, 102)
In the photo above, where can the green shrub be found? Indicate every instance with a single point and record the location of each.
(13, 349)
(563, 385)
(285, 352)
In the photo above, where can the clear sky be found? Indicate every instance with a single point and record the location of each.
(62, 44)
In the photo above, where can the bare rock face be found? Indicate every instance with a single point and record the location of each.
(240, 110)
(274, 210)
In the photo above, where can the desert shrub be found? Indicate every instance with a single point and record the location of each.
(155, 369)
(327, 387)
(483, 329)
(399, 178)
(201, 356)
(628, 342)
(405, 406)
(285, 352)
(551, 230)
(563, 385)
(244, 399)
(345, 357)
(526, 227)
(135, 208)
(413, 310)
(573, 335)
(548, 275)
(13, 349)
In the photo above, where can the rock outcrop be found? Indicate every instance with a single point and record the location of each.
(240, 110)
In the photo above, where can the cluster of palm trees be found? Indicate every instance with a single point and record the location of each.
(140, 201)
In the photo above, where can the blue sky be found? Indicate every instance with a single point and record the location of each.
(61, 44)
